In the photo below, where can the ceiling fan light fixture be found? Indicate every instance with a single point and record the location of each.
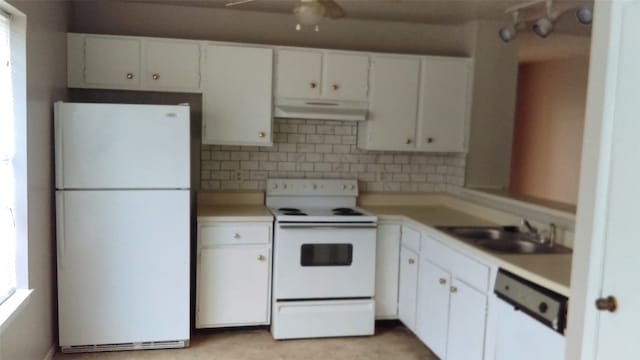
(309, 13)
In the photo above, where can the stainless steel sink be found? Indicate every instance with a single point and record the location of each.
(503, 239)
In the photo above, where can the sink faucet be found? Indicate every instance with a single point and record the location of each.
(547, 236)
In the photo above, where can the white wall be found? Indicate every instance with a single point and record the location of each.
(33, 331)
(494, 94)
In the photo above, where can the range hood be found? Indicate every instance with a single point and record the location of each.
(321, 109)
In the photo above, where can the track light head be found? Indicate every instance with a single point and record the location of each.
(543, 27)
(584, 15)
(507, 33)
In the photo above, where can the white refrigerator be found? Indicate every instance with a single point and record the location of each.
(123, 226)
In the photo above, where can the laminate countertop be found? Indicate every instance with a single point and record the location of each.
(552, 271)
(234, 213)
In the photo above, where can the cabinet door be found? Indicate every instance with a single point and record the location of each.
(467, 323)
(233, 286)
(408, 288)
(393, 104)
(433, 312)
(444, 104)
(237, 96)
(387, 262)
(171, 65)
(298, 73)
(112, 62)
(346, 76)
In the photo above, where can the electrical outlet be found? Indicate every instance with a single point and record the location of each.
(237, 175)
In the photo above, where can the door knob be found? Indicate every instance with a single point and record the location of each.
(262, 134)
(155, 76)
(312, 85)
(408, 141)
(412, 261)
(609, 304)
(261, 258)
(129, 76)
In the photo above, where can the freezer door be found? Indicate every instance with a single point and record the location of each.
(123, 266)
(116, 146)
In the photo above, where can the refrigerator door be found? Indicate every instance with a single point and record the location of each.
(116, 146)
(123, 266)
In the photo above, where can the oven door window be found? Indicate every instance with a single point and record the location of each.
(326, 254)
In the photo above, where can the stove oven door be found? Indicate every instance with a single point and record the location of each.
(324, 261)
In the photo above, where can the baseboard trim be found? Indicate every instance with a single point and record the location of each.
(51, 353)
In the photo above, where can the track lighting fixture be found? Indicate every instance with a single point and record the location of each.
(541, 24)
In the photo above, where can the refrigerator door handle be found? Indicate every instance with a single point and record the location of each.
(57, 125)
(60, 228)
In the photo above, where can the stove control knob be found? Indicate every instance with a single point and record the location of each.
(344, 187)
(353, 187)
(315, 186)
(543, 307)
(275, 186)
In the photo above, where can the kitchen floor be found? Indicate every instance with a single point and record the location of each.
(390, 342)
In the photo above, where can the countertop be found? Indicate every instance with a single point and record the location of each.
(231, 213)
(552, 271)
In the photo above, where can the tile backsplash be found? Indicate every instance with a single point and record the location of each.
(327, 149)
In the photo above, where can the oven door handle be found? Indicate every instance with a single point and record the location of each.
(328, 226)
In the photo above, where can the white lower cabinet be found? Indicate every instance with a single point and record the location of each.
(408, 279)
(233, 277)
(387, 268)
(452, 314)
(433, 292)
(467, 322)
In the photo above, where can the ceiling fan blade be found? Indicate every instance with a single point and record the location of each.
(238, 2)
(334, 10)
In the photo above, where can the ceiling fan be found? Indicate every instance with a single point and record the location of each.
(307, 12)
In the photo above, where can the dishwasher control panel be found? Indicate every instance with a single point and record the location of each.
(544, 305)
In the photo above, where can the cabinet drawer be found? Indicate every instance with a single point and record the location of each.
(461, 266)
(410, 238)
(225, 234)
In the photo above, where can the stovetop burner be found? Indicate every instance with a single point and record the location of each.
(346, 212)
(295, 213)
(288, 209)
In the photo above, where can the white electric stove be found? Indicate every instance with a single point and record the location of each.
(324, 259)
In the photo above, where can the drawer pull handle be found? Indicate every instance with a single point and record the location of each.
(261, 258)
(442, 281)
(412, 261)
(236, 236)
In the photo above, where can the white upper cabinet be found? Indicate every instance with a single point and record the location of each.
(237, 90)
(445, 99)
(112, 61)
(133, 63)
(171, 65)
(316, 74)
(346, 76)
(298, 73)
(417, 104)
(393, 104)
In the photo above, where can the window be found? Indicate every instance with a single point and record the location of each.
(7, 178)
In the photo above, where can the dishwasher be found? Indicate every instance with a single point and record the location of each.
(530, 320)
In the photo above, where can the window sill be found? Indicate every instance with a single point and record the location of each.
(13, 306)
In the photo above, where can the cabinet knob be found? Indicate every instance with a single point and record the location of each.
(155, 76)
(236, 236)
(261, 134)
(453, 289)
(129, 76)
(609, 304)
(442, 281)
(412, 261)
(313, 85)
(335, 87)
(261, 258)
(430, 140)
(409, 141)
